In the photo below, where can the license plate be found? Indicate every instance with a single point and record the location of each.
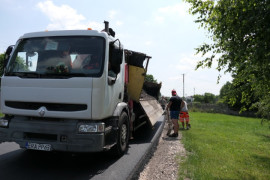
(36, 146)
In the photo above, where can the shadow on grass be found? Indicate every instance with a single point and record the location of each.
(265, 137)
(263, 160)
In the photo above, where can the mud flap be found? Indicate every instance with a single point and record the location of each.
(153, 110)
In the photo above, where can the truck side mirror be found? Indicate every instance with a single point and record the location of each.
(115, 56)
(7, 55)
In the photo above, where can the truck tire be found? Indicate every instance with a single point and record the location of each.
(122, 136)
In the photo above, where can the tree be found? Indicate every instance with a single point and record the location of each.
(209, 98)
(150, 78)
(232, 95)
(225, 89)
(240, 34)
(198, 98)
(206, 98)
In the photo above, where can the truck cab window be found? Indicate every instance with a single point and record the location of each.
(25, 62)
(53, 57)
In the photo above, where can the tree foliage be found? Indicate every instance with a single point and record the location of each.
(225, 89)
(233, 97)
(150, 78)
(206, 98)
(240, 34)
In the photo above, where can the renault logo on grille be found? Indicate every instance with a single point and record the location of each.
(41, 111)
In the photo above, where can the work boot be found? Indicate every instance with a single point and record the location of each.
(174, 135)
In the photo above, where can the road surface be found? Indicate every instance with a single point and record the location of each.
(16, 163)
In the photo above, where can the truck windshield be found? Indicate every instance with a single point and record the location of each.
(58, 57)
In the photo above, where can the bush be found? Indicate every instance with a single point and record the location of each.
(217, 108)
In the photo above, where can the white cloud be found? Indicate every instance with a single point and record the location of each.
(159, 19)
(65, 17)
(148, 43)
(179, 10)
(112, 14)
(186, 62)
(202, 80)
(119, 23)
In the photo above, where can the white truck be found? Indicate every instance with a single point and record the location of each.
(74, 91)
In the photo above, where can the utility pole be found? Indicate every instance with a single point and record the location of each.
(183, 85)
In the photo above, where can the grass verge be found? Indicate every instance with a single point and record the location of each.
(226, 147)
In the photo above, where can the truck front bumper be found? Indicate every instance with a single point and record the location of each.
(60, 135)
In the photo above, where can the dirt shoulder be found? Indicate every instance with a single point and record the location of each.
(164, 163)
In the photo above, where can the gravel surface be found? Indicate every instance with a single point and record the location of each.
(164, 163)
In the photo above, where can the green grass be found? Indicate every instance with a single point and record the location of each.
(226, 147)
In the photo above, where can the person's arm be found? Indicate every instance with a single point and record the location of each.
(182, 105)
(169, 105)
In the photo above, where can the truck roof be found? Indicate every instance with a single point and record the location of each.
(65, 33)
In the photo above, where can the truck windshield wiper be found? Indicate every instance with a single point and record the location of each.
(24, 74)
(78, 75)
(62, 75)
(67, 75)
(45, 75)
(55, 75)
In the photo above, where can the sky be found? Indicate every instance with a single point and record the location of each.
(162, 29)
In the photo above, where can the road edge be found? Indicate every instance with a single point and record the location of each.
(135, 173)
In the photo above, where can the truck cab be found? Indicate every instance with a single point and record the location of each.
(68, 91)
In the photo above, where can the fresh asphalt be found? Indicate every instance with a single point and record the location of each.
(16, 163)
(138, 154)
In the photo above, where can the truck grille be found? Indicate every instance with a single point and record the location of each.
(38, 136)
(49, 106)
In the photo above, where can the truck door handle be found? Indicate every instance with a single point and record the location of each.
(120, 96)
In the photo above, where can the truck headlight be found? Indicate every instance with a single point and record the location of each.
(91, 128)
(4, 123)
